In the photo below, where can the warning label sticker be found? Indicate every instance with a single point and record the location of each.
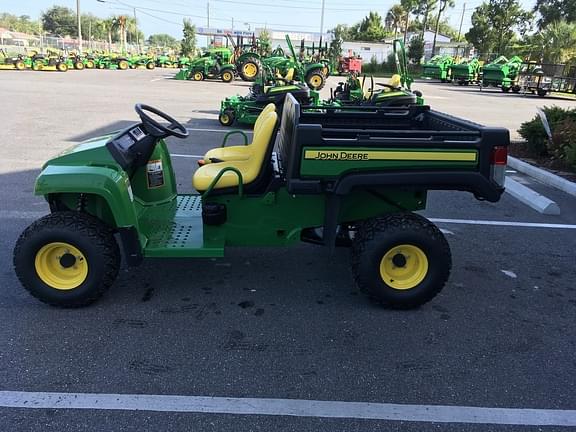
(154, 174)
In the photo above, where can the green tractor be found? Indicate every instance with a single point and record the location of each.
(167, 61)
(141, 61)
(7, 62)
(74, 61)
(438, 67)
(502, 73)
(214, 64)
(338, 179)
(112, 62)
(466, 72)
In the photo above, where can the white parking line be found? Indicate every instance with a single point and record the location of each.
(289, 407)
(502, 223)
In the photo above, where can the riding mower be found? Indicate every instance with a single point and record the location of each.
(166, 61)
(11, 63)
(112, 62)
(502, 73)
(74, 61)
(466, 72)
(347, 178)
(438, 67)
(212, 65)
(50, 62)
(246, 109)
(141, 61)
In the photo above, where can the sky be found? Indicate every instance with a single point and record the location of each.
(165, 16)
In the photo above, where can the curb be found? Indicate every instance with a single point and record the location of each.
(531, 198)
(543, 176)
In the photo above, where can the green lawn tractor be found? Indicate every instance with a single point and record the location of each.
(7, 62)
(141, 61)
(74, 61)
(348, 178)
(502, 73)
(438, 67)
(49, 62)
(167, 61)
(465, 72)
(183, 61)
(112, 62)
(214, 64)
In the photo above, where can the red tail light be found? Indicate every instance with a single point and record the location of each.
(499, 156)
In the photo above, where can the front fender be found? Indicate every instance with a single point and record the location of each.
(111, 185)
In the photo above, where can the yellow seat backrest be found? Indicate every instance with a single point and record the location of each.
(262, 138)
(395, 81)
(267, 109)
(289, 75)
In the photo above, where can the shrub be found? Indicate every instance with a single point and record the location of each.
(563, 126)
(563, 144)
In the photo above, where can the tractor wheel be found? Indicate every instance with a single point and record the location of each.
(123, 65)
(61, 67)
(226, 118)
(249, 69)
(198, 76)
(90, 64)
(401, 260)
(20, 65)
(67, 259)
(505, 89)
(79, 65)
(150, 65)
(227, 76)
(516, 89)
(541, 92)
(37, 66)
(315, 79)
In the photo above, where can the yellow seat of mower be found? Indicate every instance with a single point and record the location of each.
(249, 168)
(244, 152)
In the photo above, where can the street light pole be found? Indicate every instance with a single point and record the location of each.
(136, 30)
(79, 26)
(322, 19)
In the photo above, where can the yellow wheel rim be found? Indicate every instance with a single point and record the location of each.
(123, 65)
(224, 118)
(20, 66)
(197, 76)
(227, 76)
(404, 267)
(61, 266)
(90, 64)
(250, 70)
(316, 81)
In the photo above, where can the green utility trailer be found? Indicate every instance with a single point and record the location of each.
(350, 178)
(438, 67)
(502, 73)
(465, 72)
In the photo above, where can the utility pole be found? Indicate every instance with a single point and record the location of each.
(136, 30)
(208, 12)
(90, 34)
(461, 20)
(322, 19)
(79, 26)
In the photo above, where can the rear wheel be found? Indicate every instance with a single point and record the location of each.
(402, 260)
(67, 259)
(315, 79)
(90, 64)
(150, 65)
(197, 76)
(37, 66)
(61, 67)
(20, 65)
(227, 76)
(541, 92)
(505, 89)
(79, 65)
(123, 65)
(226, 118)
(249, 69)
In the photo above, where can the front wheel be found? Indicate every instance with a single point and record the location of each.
(226, 118)
(402, 260)
(79, 65)
(315, 79)
(67, 259)
(62, 67)
(150, 65)
(227, 76)
(198, 76)
(123, 65)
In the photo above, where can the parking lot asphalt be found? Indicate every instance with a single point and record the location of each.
(281, 323)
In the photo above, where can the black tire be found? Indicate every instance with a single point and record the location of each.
(315, 79)
(197, 76)
(227, 76)
(123, 65)
(505, 89)
(90, 236)
(541, 92)
(227, 117)
(79, 65)
(377, 237)
(150, 65)
(255, 63)
(516, 89)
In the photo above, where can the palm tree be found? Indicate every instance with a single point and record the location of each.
(394, 18)
(441, 8)
(558, 41)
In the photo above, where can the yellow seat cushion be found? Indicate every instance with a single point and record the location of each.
(249, 168)
(239, 152)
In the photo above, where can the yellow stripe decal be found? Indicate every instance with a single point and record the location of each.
(390, 155)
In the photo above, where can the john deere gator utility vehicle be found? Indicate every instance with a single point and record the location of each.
(501, 73)
(438, 67)
(11, 62)
(214, 64)
(342, 178)
(465, 72)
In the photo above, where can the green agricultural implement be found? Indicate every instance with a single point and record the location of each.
(214, 64)
(502, 73)
(141, 61)
(344, 178)
(438, 67)
(7, 62)
(466, 72)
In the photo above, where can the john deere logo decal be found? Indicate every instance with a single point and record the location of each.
(465, 156)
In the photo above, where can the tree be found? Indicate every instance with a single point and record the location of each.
(59, 20)
(495, 23)
(441, 8)
(188, 45)
(410, 6)
(394, 18)
(558, 42)
(416, 49)
(341, 31)
(555, 10)
(424, 9)
(21, 23)
(265, 39)
(162, 40)
(370, 28)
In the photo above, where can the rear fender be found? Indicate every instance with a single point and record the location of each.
(106, 192)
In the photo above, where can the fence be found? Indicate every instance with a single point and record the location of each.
(43, 43)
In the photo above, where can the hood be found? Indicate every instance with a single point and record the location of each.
(91, 152)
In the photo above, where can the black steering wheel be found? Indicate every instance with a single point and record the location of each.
(156, 129)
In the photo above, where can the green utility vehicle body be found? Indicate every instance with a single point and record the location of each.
(167, 61)
(465, 72)
(330, 173)
(438, 67)
(214, 64)
(502, 73)
(7, 62)
(141, 61)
